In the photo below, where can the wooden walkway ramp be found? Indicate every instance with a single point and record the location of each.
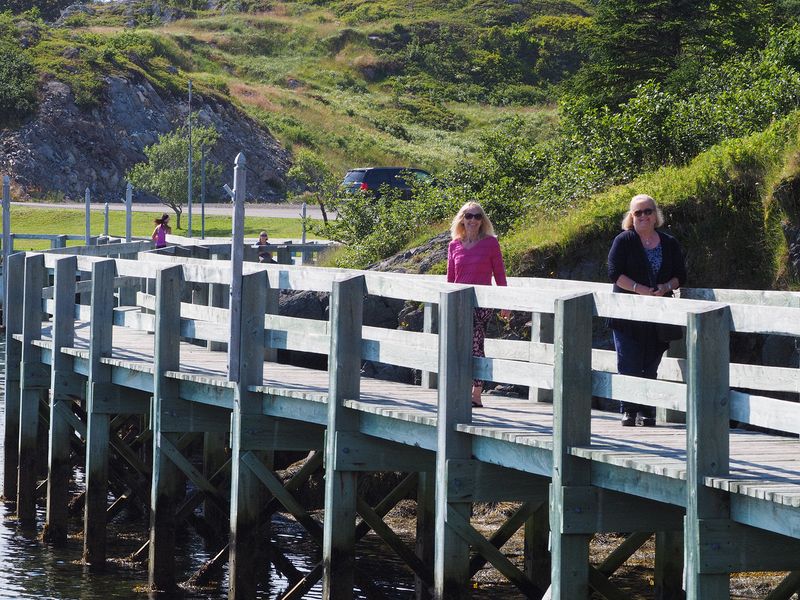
(137, 366)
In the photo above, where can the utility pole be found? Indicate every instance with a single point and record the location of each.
(189, 196)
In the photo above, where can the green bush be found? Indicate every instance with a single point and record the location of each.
(17, 83)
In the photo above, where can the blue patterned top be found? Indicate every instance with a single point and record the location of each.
(654, 257)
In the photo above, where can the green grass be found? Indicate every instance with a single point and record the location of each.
(72, 222)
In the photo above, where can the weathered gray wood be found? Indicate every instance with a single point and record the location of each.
(786, 588)
(474, 481)
(166, 480)
(541, 332)
(344, 365)
(623, 552)
(430, 324)
(594, 510)
(247, 495)
(708, 412)
(32, 388)
(425, 529)
(537, 547)
(504, 533)
(572, 398)
(728, 547)
(668, 575)
(59, 464)
(14, 274)
(451, 569)
(237, 245)
(97, 431)
(358, 452)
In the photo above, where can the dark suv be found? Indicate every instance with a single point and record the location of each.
(370, 179)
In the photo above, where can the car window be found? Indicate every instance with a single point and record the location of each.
(355, 176)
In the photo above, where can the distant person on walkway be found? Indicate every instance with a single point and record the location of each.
(473, 257)
(646, 262)
(264, 255)
(160, 232)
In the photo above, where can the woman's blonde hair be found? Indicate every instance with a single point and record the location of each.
(627, 220)
(457, 231)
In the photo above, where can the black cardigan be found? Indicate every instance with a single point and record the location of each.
(627, 257)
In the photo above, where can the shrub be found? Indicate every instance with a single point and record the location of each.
(17, 83)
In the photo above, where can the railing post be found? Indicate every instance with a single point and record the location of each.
(237, 256)
(14, 272)
(166, 477)
(451, 554)
(430, 324)
(344, 367)
(61, 382)
(32, 388)
(6, 239)
(88, 201)
(541, 332)
(247, 491)
(128, 211)
(98, 390)
(105, 219)
(572, 406)
(707, 443)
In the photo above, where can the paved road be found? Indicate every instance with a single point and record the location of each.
(280, 211)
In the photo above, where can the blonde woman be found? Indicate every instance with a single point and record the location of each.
(474, 257)
(647, 262)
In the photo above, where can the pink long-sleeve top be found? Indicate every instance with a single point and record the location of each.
(477, 264)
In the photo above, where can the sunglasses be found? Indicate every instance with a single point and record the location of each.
(470, 216)
(646, 212)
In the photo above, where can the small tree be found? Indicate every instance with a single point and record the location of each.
(310, 172)
(165, 174)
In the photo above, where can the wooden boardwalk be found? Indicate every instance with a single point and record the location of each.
(148, 341)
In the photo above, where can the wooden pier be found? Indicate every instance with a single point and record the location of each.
(95, 344)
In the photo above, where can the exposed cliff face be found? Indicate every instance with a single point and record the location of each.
(66, 149)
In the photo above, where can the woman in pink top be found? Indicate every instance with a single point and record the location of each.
(160, 232)
(473, 257)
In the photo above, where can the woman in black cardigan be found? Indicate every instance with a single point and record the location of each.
(647, 262)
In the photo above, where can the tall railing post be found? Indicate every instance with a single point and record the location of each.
(707, 443)
(98, 392)
(541, 332)
(451, 553)
(88, 201)
(6, 238)
(62, 382)
(105, 219)
(430, 324)
(128, 211)
(166, 477)
(247, 492)
(33, 384)
(344, 368)
(237, 256)
(572, 407)
(14, 272)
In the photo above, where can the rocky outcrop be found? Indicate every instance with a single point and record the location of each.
(66, 148)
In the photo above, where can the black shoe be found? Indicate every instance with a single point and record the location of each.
(645, 421)
(628, 420)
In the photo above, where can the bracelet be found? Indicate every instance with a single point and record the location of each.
(634, 287)
(669, 286)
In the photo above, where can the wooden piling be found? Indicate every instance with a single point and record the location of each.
(14, 269)
(99, 391)
(451, 566)
(63, 384)
(34, 381)
(344, 365)
(572, 403)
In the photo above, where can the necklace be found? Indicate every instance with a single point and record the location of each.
(650, 242)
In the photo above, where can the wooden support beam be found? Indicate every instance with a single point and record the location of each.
(14, 268)
(270, 433)
(475, 481)
(572, 403)
(215, 465)
(425, 529)
(668, 575)
(594, 510)
(344, 366)
(166, 479)
(430, 324)
(541, 332)
(246, 560)
(786, 588)
(504, 533)
(451, 554)
(727, 546)
(97, 422)
(537, 547)
(623, 552)
(600, 583)
(59, 461)
(32, 389)
(358, 452)
(462, 527)
(707, 443)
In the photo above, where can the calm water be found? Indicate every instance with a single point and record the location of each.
(31, 569)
